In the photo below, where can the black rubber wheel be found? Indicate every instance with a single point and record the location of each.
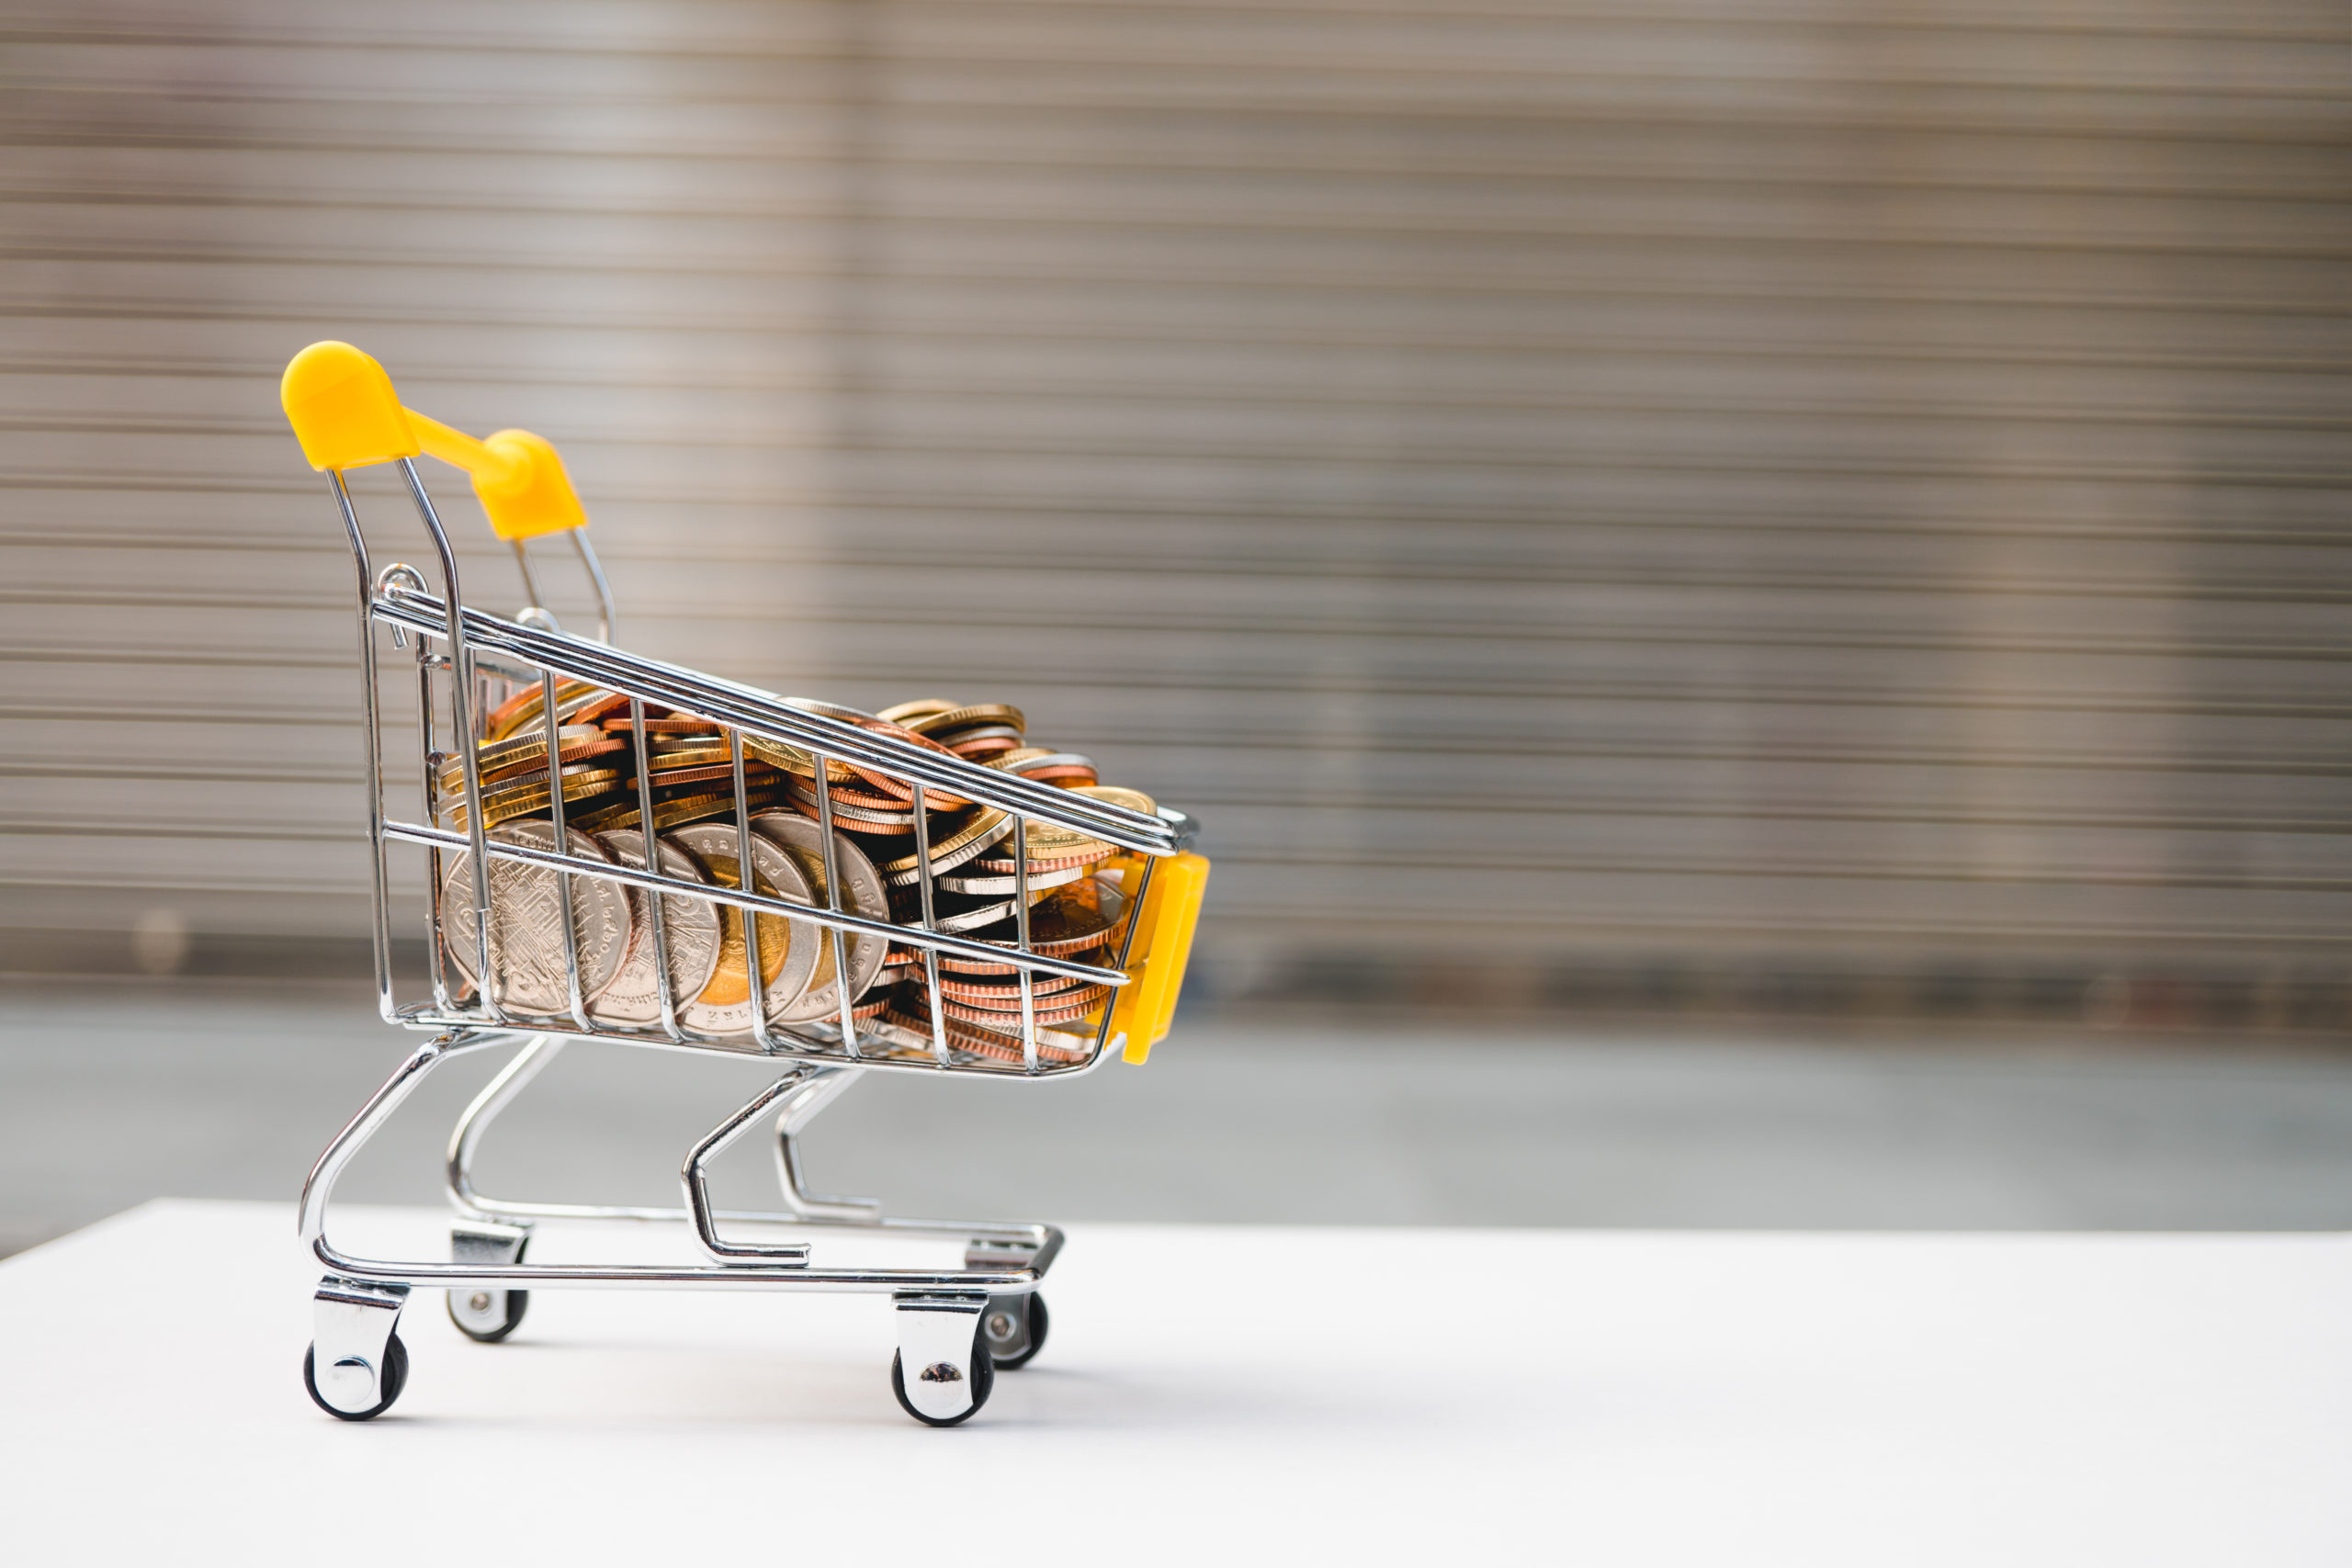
(1037, 1321)
(983, 1384)
(395, 1380)
(516, 1301)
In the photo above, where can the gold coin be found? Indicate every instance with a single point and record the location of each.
(962, 718)
(964, 841)
(920, 707)
(673, 813)
(787, 951)
(663, 757)
(1112, 795)
(498, 758)
(522, 800)
(524, 706)
(1053, 1045)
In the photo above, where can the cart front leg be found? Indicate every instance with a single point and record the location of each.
(943, 1372)
(357, 1365)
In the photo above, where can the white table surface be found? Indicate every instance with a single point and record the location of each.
(1347, 1395)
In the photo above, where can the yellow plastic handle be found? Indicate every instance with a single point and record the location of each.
(346, 415)
(1155, 959)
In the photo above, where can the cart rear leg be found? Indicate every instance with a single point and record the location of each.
(357, 1365)
(487, 1315)
(1014, 1327)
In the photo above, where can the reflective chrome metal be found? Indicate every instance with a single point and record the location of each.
(577, 1002)
(695, 1177)
(378, 870)
(810, 1095)
(483, 1312)
(474, 656)
(937, 1335)
(351, 1330)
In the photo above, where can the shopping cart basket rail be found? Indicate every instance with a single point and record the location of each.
(955, 1323)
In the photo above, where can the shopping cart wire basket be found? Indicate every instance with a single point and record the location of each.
(525, 924)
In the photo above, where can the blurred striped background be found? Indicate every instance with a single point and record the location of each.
(1805, 506)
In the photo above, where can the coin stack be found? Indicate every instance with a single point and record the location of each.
(977, 855)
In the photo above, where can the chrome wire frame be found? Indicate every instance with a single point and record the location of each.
(465, 648)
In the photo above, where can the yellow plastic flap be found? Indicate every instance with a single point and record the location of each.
(344, 410)
(1156, 956)
(346, 415)
(517, 476)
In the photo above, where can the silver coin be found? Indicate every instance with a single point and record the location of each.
(691, 926)
(1009, 882)
(954, 841)
(716, 845)
(862, 893)
(526, 946)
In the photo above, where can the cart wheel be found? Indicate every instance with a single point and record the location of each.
(1007, 1359)
(983, 1384)
(395, 1380)
(505, 1325)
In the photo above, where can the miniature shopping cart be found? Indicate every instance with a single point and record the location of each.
(956, 1326)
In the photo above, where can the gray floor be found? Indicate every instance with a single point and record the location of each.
(228, 1092)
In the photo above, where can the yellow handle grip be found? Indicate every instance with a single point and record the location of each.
(346, 415)
(1163, 942)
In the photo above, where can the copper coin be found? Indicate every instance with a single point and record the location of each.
(1062, 773)
(594, 710)
(671, 724)
(866, 818)
(937, 798)
(1045, 990)
(1053, 1045)
(981, 750)
(1037, 866)
(850, 795)
(1058, 1012)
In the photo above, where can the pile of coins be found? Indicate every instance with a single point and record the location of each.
(978, 857)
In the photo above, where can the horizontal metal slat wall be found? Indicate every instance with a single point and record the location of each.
(1568, 492)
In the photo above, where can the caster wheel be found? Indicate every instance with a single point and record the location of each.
(472, 1310)
(469, 1322)
(983, 1384)
(1007, 1359)
(395, 1380)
